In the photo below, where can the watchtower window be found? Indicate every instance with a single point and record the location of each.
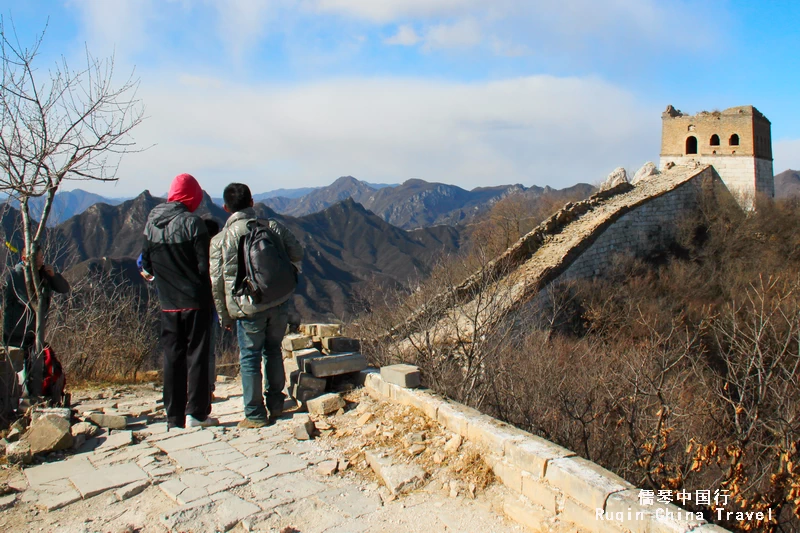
(715, 140)
(691, 145)
(734, 140)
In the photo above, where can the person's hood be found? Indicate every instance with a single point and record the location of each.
(186, 190)
(162, 214)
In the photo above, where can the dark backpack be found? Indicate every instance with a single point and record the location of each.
(265, 272)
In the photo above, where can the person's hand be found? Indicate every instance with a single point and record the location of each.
(147, 276)
(228, 327)
(48, 269)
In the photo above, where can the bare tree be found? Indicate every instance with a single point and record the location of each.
(55, 125)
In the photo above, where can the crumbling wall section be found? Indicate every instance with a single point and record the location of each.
(647, 229)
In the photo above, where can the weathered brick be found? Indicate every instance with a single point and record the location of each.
(296, 342)
(341, 344)
(533, 453)
(493, 434)
(302, 357)
(584, 481)
(325, 404)
(308, 381)
(334, 365)
(539, 493)
(406, 376)
(456, 417)
(526, 514)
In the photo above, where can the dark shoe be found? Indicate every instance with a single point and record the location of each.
(249, 423)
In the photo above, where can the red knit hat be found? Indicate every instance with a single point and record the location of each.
(186, 190)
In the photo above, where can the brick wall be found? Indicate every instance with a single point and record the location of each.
(646, 229)
(550, 487)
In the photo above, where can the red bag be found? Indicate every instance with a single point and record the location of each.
(54, 381)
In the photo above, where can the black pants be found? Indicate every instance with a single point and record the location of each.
(186, 339)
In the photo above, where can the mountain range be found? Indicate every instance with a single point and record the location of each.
(412, 204)
(347, 249)
(350, 248)
(787, 184)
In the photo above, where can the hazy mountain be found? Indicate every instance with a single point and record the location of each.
(787, 184)
(346, 248)
(286, 193)
(323, 197)
(67, 204)
(415, 203)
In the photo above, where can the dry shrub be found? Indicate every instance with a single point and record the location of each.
(105, 329)
(677, 371)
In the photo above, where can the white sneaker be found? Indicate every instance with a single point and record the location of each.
(192, 422)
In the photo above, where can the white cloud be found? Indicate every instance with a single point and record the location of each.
(532, 130)
(119, 26)
(786, 154)
(463, 34)
(243, 23)
(405, 36)
(384, 11)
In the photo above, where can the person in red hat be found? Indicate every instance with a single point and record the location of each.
(175, 255)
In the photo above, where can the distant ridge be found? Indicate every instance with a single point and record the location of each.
(787, 184)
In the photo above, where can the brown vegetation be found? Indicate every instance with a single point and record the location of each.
(679, 371)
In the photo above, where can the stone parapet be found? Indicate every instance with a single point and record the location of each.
(553, 489)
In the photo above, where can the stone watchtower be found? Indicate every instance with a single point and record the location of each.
(736, 141)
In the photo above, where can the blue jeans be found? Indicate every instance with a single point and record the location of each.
(260, 337)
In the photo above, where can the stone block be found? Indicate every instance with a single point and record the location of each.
(233, 511)
(510, 475)
(308, 381)
(185, 441)
(53, 502)
(49, 432)
(296, 342)
(49, 472)
(585, 519)
(422, 399)
(116, 440)
(62, 412)
(109, 421)
(539, 493)
(86, 429)
(341, 344)
(526, 514)
(456, 417)
(325, 404)
(323, 330)
(533, 453)
(493, 434)
(584, 481)
(399, 477)
(131, 490)
(406, 376)
(335, 365)
(110, 477)
(301, 357)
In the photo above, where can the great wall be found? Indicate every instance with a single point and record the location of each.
(545, 487)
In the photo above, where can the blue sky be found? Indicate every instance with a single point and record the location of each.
(281, 93)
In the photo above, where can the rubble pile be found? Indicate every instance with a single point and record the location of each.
(314, 357)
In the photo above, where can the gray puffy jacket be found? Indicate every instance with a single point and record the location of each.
(224, 266)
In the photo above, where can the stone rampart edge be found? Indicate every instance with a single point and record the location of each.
(544, 475)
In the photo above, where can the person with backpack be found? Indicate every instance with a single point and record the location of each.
(253, 275)
(175, 255)
(19, 316)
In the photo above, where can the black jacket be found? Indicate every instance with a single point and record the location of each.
(175, 251)
(19, 319)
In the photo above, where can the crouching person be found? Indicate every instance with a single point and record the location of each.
(252, 279)
(19, 316)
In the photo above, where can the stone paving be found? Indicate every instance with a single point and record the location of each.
(217, 479)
